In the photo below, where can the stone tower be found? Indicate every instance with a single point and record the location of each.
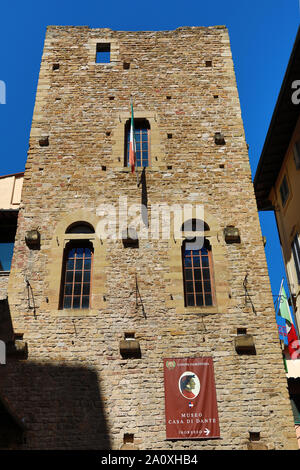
(94, 375)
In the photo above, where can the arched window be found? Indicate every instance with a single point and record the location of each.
(197, 267)
(142, 137)
(194, 225)
(80, 227)
(77, 267)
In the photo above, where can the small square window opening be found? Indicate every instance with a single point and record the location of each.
(103, 53)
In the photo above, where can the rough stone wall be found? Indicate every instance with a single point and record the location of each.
(75, 390)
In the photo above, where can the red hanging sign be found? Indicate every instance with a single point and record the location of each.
(190, 399)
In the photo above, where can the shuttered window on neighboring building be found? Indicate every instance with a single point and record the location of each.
(297, 154)
(296, 255)
(284, 191)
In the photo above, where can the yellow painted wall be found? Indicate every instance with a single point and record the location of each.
(10, 191)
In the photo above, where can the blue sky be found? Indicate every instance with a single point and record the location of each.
(262, 33)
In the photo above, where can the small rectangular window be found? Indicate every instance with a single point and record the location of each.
(297, 154)
(284, 191)
(296, 255)
(103, 53)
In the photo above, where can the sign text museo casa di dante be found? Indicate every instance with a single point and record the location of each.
(190, 399)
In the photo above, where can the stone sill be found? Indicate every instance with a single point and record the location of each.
(75, 312)
(104, 64)
(202, 310)
(152, 169)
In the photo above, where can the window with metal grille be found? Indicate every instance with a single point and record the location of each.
(142, 138)
(77, 274)
(296, 255)
(197, 275)
(284, 191)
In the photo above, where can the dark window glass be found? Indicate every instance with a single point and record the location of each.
(70, 264)
(68, 289)
(188, 275)
(77, 277)
(197, 274)
(85, 302)
(76, 302)
(197, 270)
(67, 301)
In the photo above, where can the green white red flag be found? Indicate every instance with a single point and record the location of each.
(284, 309)
(132, 143)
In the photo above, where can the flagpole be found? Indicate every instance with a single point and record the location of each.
(134, 142)
(279, 296)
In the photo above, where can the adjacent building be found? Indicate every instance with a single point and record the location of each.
(10, 198)
(11, 429)
(106, 313)
(277, 188)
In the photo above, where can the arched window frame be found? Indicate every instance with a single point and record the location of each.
(80, 233)
(58, 243)
(221, 275)
(80, 227)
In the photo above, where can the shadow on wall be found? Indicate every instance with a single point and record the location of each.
(6, 328)
(52, 406)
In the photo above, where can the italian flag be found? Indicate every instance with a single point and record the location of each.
(132, 144)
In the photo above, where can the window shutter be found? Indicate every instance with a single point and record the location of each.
(284, 191)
